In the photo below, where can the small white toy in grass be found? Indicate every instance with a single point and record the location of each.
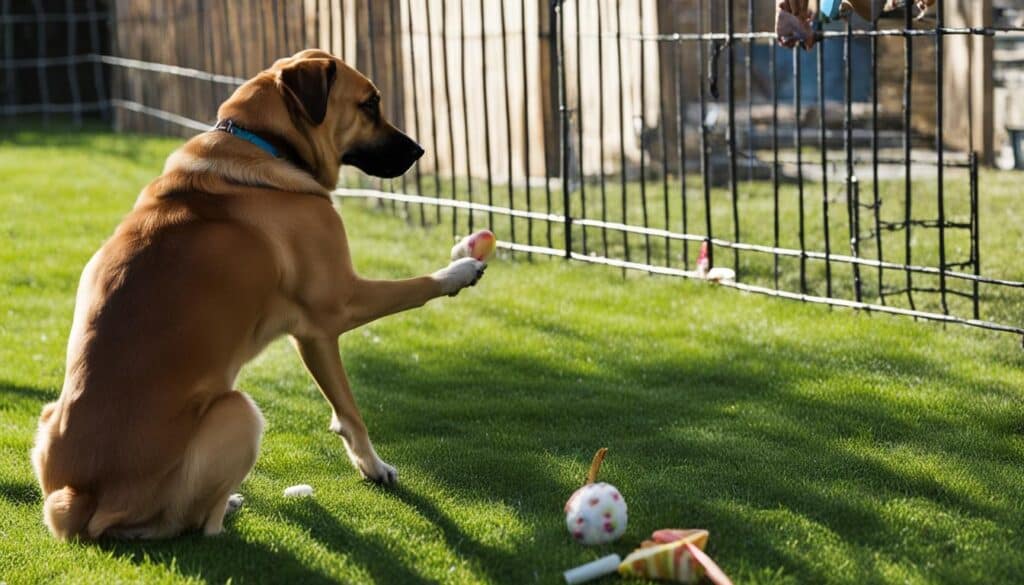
(299, 491)
(596, 513)
(716, 274)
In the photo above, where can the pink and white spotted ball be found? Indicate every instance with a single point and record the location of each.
(596, 514)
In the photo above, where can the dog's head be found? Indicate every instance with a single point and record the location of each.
(327, 113)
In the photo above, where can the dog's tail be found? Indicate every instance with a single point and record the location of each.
(66, 512)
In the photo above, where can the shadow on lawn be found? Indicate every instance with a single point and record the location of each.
(20, 492)
(96, 137)
(229, 557)
(367, 552)
(485, 559)
(220, 559)
(31, 393)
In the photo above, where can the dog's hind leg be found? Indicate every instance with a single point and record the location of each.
(197, 494)
(220, 455)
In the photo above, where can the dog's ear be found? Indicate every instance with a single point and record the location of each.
(308, 84)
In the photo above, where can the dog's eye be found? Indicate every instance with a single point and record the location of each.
(372, 103)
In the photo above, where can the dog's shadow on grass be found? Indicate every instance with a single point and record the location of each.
(367, 552)
(230, 557)
(221, 559)
(484, 558)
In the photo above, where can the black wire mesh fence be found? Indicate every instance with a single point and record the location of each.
(616, 132)
(48, 65)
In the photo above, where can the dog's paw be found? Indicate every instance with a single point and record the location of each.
(459, 274)
(377, 471)
(234, 503)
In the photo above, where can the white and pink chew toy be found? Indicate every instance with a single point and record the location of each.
(479, 245)
(716, 274)
(596, 513)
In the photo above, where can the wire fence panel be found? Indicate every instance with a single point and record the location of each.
(46, 68)
(626, 133)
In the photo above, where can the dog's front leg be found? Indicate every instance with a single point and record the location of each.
(373, 299)
(320, 354)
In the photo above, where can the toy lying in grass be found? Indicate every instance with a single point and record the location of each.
(674, 555)
(670, 555)
(596, 513)
(299, 491)
(713, 274)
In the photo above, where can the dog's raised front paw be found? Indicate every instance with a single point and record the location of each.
(459, 274)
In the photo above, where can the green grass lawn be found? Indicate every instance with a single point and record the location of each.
(817, 446)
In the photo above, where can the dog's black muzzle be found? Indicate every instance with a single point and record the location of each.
(387, 158)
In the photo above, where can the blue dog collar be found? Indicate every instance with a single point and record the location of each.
(234, 130)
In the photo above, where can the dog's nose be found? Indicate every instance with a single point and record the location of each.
(417, 151)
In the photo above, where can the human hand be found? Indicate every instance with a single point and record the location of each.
(794, 24)
(921, 6)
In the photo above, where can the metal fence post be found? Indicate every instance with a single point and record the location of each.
(975, 234)
(940, 146)
(557, 17)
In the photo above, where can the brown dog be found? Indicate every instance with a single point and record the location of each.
(230, 248)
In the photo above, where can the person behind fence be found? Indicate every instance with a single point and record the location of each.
(794, 19)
